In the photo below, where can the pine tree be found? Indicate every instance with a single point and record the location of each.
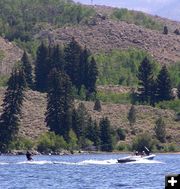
(92, 132)
(27, 68)
(160, 130)
(42, 68)
(60, 103)
(91, 77)
(79, 123)
(72, 54)
(12, 103)
(178, 92)
(145, 76)
(105, 135)
(56, 58)
(164, 86)
(83, 67)
(132, 115)
(97, 105)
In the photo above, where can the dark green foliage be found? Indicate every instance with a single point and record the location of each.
(132, 115)
(27, 68)
(137, 18)
(97, 105)
(164, 86)
(79, 123)
(145, 76)
(41, 68)
(105, 135)
(22, 19)
(72, 53)
(56, 58)
(91, 77)
(165, 31)
(177, 32)
(160, 130)
(121, 134)
(83, 68)
(93, 133)
(81, 71)
(174, 72)
(9, 120)
(141, 141)
(60, 103)
(178, 91)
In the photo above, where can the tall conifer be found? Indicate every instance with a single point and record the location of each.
(164, 85)
(41, 68)
(105, 135)
(27, 68)
(60, 103)
(72, 54)
(9, 120)
(145, 76)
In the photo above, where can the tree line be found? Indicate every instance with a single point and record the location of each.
(153, 89)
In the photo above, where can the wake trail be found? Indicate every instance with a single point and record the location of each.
(81, 163)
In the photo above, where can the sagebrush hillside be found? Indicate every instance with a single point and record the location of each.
(104, 35)
(9, 55)
(32, 122)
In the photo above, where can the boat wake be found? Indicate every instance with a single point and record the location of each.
(85, 162)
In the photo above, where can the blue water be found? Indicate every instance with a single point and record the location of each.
(85, 172)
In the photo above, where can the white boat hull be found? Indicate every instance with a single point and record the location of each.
(135, 158)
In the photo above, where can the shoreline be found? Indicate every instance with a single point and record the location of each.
(23, 152)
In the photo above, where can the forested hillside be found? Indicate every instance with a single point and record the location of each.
(87, 77)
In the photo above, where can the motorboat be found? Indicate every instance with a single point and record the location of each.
(135, 158)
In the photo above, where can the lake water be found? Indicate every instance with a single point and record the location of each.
(85, 172)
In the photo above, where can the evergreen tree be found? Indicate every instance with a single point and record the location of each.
(160, 130)
(165, 31)
(132, 115)
(97, 105)
(12, 103)
(92, 132)
(27, 68)
(60, 103)
(164, 86)
(42, 68)
(72, 54)
(145, 76)
(178, 92)
(56, 58)
(105, 135)
(83, 67)
(91, 77)
(79, 123)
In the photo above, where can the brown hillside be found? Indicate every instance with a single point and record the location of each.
(9, 55)
(102, 34)
(32, 121)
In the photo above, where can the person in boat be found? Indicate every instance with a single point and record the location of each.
(29, 156)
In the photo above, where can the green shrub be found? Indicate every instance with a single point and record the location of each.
(137, 18)
(116, 98)
(21, 144)
(171, 104)
(121, 134)
(51, 142)
(141, 141)
(120, 67)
